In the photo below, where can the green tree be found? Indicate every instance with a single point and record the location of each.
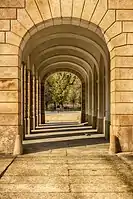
(62, 87)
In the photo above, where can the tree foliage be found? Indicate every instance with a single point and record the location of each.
(62, 87)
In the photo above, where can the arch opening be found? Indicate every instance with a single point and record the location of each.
(71, 48)
(61, 97)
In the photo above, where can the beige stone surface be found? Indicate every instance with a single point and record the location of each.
(2, 37)
(67, 195)
(8, 60)
(107, 20)
(126, 50)
(55, 8)
(8, 49)
(118, 4)
(66, 7)
(93, 175)
(13, 3)
(24, 18)
(126, 62)
(8, 13)
(119, 40)
(4, 25)
(4, 162)
(7, 135)
(88, 9)
(9, 72)
(44, 8)
(127, 26)
(33, 11)
(114, 30)
(122, 85)
(8, 119)
(122, 120)
(122, 97)
(126, 15)
(9, 84)
(77, 8)
(122, 108)
(130, 38)
(8, 96)
(122, 73)
(12, 38)
(99, 12)
(8, 107)
(117, 35)
(18, 28)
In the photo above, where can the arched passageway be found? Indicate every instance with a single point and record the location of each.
(74, 49)
(92, 36)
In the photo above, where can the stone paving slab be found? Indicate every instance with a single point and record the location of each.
(100, 188)
(4, 162)
(66, 195)
(48, 187)
(31, 172)
(94, 172)
(68, 173)
(34, 179)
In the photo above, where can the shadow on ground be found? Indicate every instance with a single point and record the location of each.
(45, 146)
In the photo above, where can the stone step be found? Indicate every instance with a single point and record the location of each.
(59, 142)
(61, 125)
(57, 129)
(61, 135)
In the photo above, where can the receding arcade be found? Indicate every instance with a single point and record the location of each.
(71, 48)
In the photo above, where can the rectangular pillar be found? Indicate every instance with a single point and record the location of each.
(121, 138)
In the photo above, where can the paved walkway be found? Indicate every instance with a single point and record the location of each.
(67, 169)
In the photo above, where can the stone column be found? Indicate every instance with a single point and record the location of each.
(90, 100)
(101, 98)
(33, 98)
(37, 100)
(42, 104)
(107, 106)
(25, 99)
(86, 101)
(94, 100)
(29, 101)
(83, 104)
(22, 100)
(121, 130)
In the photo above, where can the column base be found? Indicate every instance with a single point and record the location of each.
(25, 126)
(39, 119)
(82, 118)
(34, 123)
(114, 145)
(89, 120)
(107, 129)
(29, 126)
(100, 125)
(37, 123)
(94, 122)
(43, 119)
(18, 149)
(86, 117)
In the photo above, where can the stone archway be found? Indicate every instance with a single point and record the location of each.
(82, 53)
(104, 19)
